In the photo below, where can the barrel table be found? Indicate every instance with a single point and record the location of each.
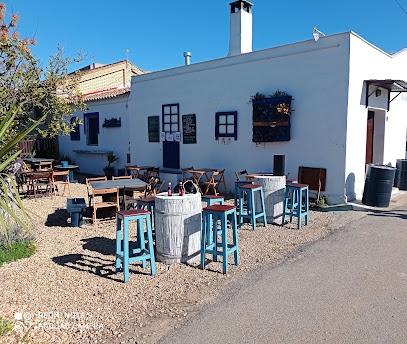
(178, 223)
(273, 194)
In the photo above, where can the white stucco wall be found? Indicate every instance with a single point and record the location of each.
(314, 73)
(368, 62)
(110, 139)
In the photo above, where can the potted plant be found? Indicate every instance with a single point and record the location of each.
(109, 170)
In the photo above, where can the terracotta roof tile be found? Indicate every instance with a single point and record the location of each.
(105, 94)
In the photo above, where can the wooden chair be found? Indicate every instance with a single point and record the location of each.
(159, 188)
(238, 174)
(60, 178)
(113, 202)
(221, 179)
(40, 182)
(151, 187)
(184, 171)
(45, 165)
(132, 171)
(89, 187)
(130, 197)
(122, 177)
(212, 183)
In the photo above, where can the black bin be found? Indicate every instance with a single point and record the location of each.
(378, 185)
(401, 174)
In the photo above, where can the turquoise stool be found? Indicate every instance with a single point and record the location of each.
(211, 199)
(293, 203)
(148, 202)
(210, 229)
(251, 213)
(237, 184)
(140, 253)
(291, 181)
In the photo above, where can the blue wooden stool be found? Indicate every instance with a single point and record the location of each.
(76, 207)
(140, 253)
(250, 212)
(237, 184)
(210, 230)
(148, 202)
(293, 203)
(211, 199)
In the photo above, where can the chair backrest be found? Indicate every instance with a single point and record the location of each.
(151, 185)
(184, 170)
(94, 179)
(214, 173)
(44, 165)
(56, 174)
(105, 191)
(238, 174)
(122, 177)
(41, 175)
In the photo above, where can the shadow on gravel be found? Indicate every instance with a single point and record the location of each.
(101, 245)
(59, 218)
(94, 265)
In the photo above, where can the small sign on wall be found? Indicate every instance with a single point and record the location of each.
(153, 128)
(177, 136)
(189, 129)
(162, 136)
(169, 137)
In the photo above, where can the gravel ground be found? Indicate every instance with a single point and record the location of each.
(69, 290)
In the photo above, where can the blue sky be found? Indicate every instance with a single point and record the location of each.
(157, 32)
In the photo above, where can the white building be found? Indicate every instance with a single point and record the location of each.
(336, 84)
(328, 81)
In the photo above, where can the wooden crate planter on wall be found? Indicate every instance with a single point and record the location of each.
(271, 119)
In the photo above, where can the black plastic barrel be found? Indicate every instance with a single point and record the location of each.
(401, 173)
(378, 185)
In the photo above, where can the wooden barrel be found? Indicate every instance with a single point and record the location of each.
(178, 223)
(273, 193)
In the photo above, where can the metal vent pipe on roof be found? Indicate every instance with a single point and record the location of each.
(187, 56)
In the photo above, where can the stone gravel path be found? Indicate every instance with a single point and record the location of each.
(70, 290)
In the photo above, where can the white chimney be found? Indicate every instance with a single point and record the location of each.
(241, 27)
(187, 56)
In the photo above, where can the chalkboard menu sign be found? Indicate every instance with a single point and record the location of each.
(189, 129)
(153, 128)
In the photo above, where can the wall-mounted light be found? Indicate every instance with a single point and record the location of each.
(378, 92)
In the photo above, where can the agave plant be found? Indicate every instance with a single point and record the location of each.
(10, 200)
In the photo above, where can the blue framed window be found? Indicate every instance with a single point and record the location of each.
(75, 135)
(170, 118)
(226, 124)
(91, 128)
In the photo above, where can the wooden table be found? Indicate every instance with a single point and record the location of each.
(37, 160)
(137, 169)
(118, 183)
(69, 168)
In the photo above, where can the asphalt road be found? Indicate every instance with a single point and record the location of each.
(350, 287)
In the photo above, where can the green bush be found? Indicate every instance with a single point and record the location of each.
(5, 326)
(15, 251)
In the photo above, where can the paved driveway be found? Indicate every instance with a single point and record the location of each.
(350, 287)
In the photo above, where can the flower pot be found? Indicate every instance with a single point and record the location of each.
(109, 172)
(64, 163)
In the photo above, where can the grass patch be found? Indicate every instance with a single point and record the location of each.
(5, 326)
(10, 253)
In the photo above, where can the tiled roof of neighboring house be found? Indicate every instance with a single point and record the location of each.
(106, 94)
(97, 69)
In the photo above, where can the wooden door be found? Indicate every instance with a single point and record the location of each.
(170, 122)
(369, 139)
